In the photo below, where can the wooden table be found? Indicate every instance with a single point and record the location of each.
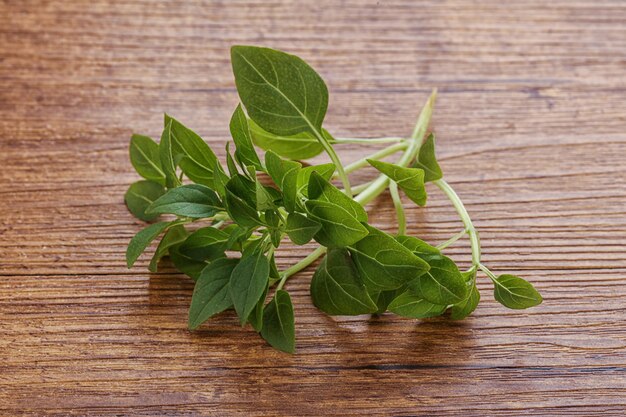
(531, 121)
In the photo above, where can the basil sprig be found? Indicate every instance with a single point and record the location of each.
(222, 227)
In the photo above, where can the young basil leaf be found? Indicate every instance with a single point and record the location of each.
(207, 243)
(256, 315)
(192, 200)
(281, 92)
(427, 160)
(417, 246)
(466, 307)
(185, 264)
(301, 229)
(337, 289)
(284, 173)
(247, 283)
(139, 197)
(243, 188)
(321, 190)
(339, 227)
(144, 156)
(211, 295)
(412, 306)
(230, 162)
(324, 170)
(278, 323)
(240, 131)
(410, 180)
(515, 292)
(192, 153)
(141, 240)
(383, 263)
(174, 236)
(443, 283)
(166, 156)
(273, 222)
(303, 145)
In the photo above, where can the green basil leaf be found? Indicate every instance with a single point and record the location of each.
(322, 190)
(336, 287)
(515, 292)
(264, 197)
(240, 131)
(279, 328)
(207, 243)
(301, 229)
(410, 180)
(281, 92)
(174, 236)
(166, 155)
(324, 170)
(243, 188)
(466, 307)
(443, 283)
(303, 145)
(230, 162)
(247, 283)
(417, 246)
(211, 295)
(185, 264)
(256, 315)
(240, 211)
(141, 240)
(284, 173)
(427, 160)
(192, 153)
(412, 306)
(339, 227)
(139, 197)
(383, 263)
(144, 156)
(220, 179)
(194, 200)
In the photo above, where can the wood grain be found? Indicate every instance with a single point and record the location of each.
(531, 125)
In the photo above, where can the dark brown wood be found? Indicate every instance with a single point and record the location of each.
(531, 125)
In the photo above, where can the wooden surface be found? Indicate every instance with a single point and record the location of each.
(531, 122)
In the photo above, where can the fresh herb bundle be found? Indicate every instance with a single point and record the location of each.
(232, 256)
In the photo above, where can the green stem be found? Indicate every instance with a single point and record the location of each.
(465, 218)
(397, 203)
(368, 140)
(489, 273)
(311, 257)
(389, 150)
(335, 159)
(452, 239)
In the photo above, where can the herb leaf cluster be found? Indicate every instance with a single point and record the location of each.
(221, 224)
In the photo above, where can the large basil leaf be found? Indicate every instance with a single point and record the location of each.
(339, 227)
(322, 190)
(515, 292)
(337, 289)
(192, 200)
(281, 92)
(383, 263)
(141, 240)
(417, 246)
(144, 156)
(443, 283)
(278, 323)
(247, 283)
(211, 294)
(139, 197)
(207, 243)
